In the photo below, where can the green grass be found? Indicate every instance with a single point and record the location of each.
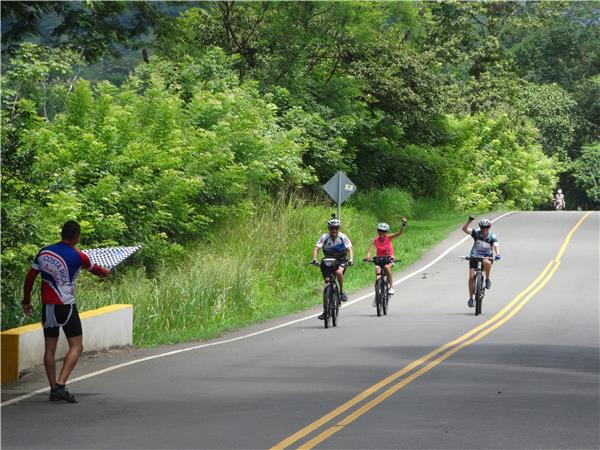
(257, 270)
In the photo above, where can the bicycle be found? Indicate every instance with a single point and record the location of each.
(479, 281)
(331, 292)
(382, 296)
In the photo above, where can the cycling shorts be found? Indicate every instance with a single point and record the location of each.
(342, 262)
(473, 264)
(71, 327)
(383, 260)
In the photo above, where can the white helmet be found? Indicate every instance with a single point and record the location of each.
(560, 191)
(334, 223)
(485, 223)
(383, 227)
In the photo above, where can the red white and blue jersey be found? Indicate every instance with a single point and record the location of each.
(60, 265)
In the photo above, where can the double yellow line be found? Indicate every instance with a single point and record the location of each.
(425, 363)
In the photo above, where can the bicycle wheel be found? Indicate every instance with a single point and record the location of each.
(379, 296)
(327, 293)
(478, 293)
(334, 304)
(386, 299)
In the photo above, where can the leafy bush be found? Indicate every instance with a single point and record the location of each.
(140, 164)
(586, 171)
(494, 161)
(551, 109)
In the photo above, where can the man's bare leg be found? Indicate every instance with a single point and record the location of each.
(50, 360)
(71, 358)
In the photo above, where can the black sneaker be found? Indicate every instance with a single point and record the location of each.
(59, 394)
(470, 303)
(344, 297)
(322, 316)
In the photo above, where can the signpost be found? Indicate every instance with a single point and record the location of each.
(339, 188)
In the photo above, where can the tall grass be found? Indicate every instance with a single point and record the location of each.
(258, 269)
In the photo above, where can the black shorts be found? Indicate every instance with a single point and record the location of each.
(342, 262)
(473, 264)
(71, 328)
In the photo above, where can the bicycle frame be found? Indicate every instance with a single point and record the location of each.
(479, 281)
(331, 292)
(381, 263)
(381, 292)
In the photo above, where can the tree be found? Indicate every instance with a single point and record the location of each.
(552, 110)
(92, 29)
(586, 172)
(557, 42)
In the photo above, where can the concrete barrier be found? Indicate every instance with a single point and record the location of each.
(103, 328)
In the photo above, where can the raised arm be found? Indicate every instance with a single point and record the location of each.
(468, 230)
(95, 269)
(395, 235)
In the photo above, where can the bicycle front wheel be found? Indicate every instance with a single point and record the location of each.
(334, 305)
(478, 294)
(379, 293)
(386, 299)
(327, 294)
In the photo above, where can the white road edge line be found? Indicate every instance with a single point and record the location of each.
(239, 338)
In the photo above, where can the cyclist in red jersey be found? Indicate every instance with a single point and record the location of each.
(60, 265)
(383, 245)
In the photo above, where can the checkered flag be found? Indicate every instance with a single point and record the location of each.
(110, 257)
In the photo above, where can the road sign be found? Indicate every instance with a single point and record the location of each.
(339, 188)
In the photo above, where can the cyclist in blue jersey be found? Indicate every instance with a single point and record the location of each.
(335, 245)
(484, 246)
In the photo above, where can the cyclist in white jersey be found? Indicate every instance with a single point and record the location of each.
(336, 245)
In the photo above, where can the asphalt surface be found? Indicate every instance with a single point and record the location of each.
(532, 382)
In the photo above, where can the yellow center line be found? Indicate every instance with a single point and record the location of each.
(395, 388)
(458, 344)
(389, 379)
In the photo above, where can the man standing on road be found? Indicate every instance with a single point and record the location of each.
(485, 245)
(60, 265)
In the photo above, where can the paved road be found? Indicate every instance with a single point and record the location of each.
(528, 377)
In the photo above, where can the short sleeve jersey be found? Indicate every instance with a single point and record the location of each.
(60, 265)
(482, 246)
(334, 248)
(385, 247)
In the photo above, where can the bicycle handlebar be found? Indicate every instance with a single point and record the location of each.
(318, 264)
(372, 260)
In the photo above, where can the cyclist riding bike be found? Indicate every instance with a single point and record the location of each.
(559, 201)
(384, 248)
(335, 245)
(485, 245)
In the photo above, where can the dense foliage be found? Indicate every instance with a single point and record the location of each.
(471, 103)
